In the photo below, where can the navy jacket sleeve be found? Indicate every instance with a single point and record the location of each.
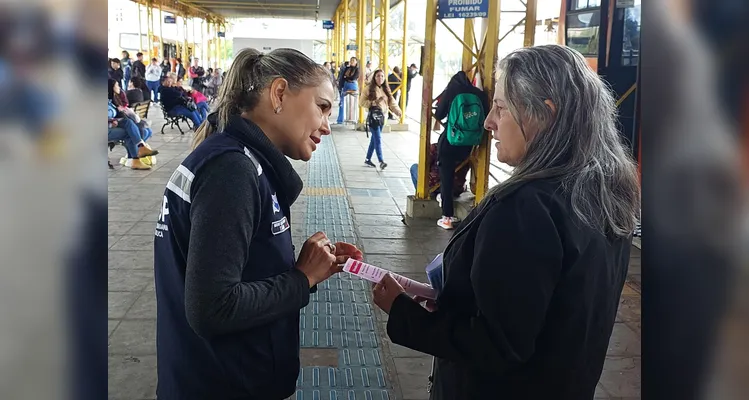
(223, 214)
(516, 265)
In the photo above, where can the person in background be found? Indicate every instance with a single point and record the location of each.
(127, 69)
(139, 68)
(140, 83)
(180, 69)
(115, 71)
(350, 79)
(134, 94)
(377, 94)
(334, 69)
(174, 100)
(124, 129)
(116, 94)
(412, 72)
(532, 281)
(394, 81)
(196, 75)
(213, 83)
(153, 79)
(229, 288)
(166, 67)
(451, 156)
(368, 72)
(201, 102)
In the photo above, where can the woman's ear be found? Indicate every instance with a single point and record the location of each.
(277, 90)
(551, 105)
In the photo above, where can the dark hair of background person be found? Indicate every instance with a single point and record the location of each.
(372, 92)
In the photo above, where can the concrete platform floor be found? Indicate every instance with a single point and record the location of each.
(377, 199)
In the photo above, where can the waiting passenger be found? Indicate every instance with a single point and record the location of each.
(533, 279)
(119, 99)
(377, 98)
(175, 101)
(228, 288)
(126, 130)
(452, 155)
(349, 83)
(134, 94)
(201, 102)
(153, 79)
(140, 83)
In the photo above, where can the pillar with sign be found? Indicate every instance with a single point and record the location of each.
(478, 59)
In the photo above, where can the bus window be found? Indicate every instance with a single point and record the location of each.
(582, 32)
(631, 37)
(583, 4)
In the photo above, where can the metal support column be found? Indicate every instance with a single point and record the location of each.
(140, 30)
(384, 24)
(149, 28)
(422, 186)
(194, 40)
(404, 63)
(529, 37)
(161, 31)
(491, 41)
(346, 17)
(185, 52)
(469, 37)
(361, 48)
(371, 31)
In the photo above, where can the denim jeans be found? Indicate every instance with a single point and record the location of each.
(194, 116)
(127, 131)
(153, 86)
(415, 174)
(346, 87)
(203, 109)
(375, 143)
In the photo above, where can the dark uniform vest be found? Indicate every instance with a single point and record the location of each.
(257, 363)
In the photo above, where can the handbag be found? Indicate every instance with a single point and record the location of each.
(375, 117)
(190, 104)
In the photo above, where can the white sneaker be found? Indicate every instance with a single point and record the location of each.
(447, 222)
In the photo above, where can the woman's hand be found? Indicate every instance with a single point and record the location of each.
(317, 260)
(344, 251)
(386, 291)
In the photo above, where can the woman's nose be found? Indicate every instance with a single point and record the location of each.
(325, 127)
(490, 124)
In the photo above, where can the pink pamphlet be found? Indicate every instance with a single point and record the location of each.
(374, 274)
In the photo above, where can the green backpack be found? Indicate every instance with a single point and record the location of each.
(465, 121)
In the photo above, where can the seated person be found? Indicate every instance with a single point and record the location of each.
(175, 101)
(200, 101)
(126, 130)
(119, 99)
(213, 82)
(134, 95)
(459, 181)
(140, 83)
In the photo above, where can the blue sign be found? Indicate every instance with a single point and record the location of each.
(170, 19)
(463, 9)
(222, 34)
(328, 24)
(352, 47)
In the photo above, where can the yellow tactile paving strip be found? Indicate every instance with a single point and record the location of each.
(320, 191)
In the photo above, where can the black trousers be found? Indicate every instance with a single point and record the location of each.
(449, 157)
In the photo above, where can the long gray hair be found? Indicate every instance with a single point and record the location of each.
(578, 144)
(252, 72)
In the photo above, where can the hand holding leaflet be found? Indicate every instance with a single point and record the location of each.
(374, 274)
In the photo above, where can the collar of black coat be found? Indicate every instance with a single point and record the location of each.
(288, 183)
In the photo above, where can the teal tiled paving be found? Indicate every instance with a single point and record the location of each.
(339, 317)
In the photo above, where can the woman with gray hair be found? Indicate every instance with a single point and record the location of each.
(532, 279)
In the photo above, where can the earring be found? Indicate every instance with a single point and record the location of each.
(277, 110)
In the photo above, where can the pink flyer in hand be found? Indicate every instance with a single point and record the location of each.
(374, 274)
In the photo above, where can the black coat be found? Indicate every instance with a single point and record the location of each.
(528, 304)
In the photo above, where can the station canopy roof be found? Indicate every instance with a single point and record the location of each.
(293, 9)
